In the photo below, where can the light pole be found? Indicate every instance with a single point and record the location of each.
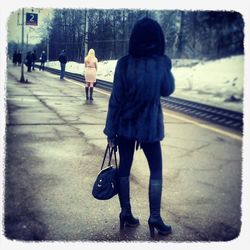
(47, 48)
(47, 39)
(86, 32)
(22, 75)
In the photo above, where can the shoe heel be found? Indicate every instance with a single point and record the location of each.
(122, 223)
(152, 230)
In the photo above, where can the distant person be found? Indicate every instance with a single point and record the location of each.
(28, 61)
(90, 73)
(14, 58)
(33, 59)
(63, 60)
(43, 59)
(19, 57)
(135, 117)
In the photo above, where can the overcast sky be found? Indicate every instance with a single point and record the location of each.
(34, 32)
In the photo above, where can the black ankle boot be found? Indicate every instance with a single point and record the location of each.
(87, 92)
(126, 216)
(159, 225)
(127, 219)
(155, 221)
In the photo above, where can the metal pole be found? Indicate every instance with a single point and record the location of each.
(47, 47)
(27, 42)
(22, 75)
(86, 32)
(48, 38)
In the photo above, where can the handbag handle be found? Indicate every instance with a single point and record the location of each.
(111, 151)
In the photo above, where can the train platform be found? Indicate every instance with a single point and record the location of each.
(54, 149)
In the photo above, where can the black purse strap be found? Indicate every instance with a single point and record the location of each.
(111, 151)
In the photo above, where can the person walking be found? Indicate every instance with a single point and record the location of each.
(14, 58)
(28, 61)
(33, 59)
(90, 73)
(19, 57)
(63, 60)
(135, 117)
(43, 59)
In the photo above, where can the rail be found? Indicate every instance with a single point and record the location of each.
(219, 116)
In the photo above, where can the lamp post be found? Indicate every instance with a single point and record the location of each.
(47, 48)
(47, 39)
(31, 19)
(22, 75)
(86, 32)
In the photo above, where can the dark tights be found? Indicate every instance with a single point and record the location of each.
(152, 152)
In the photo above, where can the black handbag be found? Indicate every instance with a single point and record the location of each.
(105, 186)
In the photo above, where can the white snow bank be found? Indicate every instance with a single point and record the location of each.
(218, 82)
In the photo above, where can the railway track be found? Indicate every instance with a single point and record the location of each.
(223, 117)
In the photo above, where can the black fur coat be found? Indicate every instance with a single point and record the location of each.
(134, 110)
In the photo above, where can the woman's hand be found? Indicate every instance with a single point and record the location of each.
(112, 142)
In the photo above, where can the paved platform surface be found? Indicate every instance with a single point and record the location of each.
(54, 149)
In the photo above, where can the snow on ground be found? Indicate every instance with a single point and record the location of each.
(217, 83)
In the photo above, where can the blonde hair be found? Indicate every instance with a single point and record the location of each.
(91, 53)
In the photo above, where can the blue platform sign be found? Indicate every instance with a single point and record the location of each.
(31, 19)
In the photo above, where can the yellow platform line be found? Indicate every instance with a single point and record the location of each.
(181, 118)
(205, 126)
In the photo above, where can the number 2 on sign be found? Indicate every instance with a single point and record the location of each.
(32, 16)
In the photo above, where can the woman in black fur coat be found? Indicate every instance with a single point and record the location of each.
(135, 115)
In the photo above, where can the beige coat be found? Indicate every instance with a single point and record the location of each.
(90, 69)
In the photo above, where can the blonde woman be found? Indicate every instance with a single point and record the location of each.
(90, 73)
